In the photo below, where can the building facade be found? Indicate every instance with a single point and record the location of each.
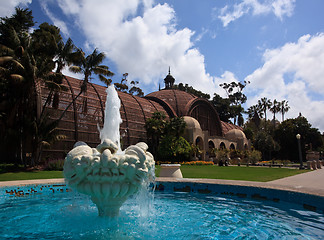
(85, 116)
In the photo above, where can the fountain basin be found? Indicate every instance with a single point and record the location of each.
(198, 210)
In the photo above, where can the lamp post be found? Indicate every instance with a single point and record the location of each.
(299, 152)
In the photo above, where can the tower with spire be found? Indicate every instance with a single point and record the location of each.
(169, 81)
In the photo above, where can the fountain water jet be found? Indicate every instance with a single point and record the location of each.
(106, 173)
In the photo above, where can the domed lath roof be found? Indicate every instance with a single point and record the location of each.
(191, 122)
(176, 99)
(235, 134)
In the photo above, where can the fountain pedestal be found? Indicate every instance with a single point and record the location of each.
(171, 170)
(108, 207)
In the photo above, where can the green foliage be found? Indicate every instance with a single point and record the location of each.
(265, 143)
(173, 149)
(123, 87)
(26, 61)
(222, 154)
(223, 107)
(165, 139)
(191, 90)
(54, 165)
(249, 133)
(236, 97)
(155, 129)
(21, 21)
(286, 133)
(253, 157)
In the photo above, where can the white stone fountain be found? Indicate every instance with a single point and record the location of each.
(106, 173)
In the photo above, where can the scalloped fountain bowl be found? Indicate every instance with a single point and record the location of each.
(107, 176)
(106, 173)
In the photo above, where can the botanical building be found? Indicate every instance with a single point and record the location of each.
(85, 115)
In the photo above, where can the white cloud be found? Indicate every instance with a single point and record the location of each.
(7, 7)
(279, 8)
(294, 72)
(57, 22)
(141, 38)
(283, 7)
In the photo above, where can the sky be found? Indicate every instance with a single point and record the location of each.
(276, 45)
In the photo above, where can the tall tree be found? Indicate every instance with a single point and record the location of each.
(223, 107)
(21, 21)
(88, 65)
(22, 71)
(286, 133)
(134, 90)
(275, 108)
(284, 108)
(255, 114)
(264, 104)
(234, 91)
(155, 129)
(123, 86)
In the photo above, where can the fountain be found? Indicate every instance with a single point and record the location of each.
(106, 173)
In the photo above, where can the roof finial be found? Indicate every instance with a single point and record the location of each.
(169, 80)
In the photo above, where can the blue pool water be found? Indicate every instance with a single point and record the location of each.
(68, 215)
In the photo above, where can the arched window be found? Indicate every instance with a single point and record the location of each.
(222, 145)
(232, 146)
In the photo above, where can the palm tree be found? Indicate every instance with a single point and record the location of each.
(275, 108)
(254, 110)
(88, 65)
(91, 64)
(254, 113)
(284, 108)
(65, 55)
(22, 72)
(264, 105)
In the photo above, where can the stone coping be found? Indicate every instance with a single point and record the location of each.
(170, 165)
(265, 185)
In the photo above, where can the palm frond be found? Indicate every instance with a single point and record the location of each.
(17, 77)
(18, 65)
(5, 59)
(102, 71)
(105, 80)
(6, 50)
(75, 69)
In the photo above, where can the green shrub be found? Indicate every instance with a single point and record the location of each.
(54, 165)
(173, 149)
(254, 156)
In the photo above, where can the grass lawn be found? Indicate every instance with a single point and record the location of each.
(260, 174)
(10, 176)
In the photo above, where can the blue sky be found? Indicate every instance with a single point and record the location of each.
(278, 45)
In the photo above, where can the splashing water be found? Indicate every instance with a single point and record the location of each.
(113, 120)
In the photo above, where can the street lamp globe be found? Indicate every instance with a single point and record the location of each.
(299, 152)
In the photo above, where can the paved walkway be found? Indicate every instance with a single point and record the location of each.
(310, 182)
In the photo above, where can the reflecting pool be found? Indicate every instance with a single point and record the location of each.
(70, 215)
